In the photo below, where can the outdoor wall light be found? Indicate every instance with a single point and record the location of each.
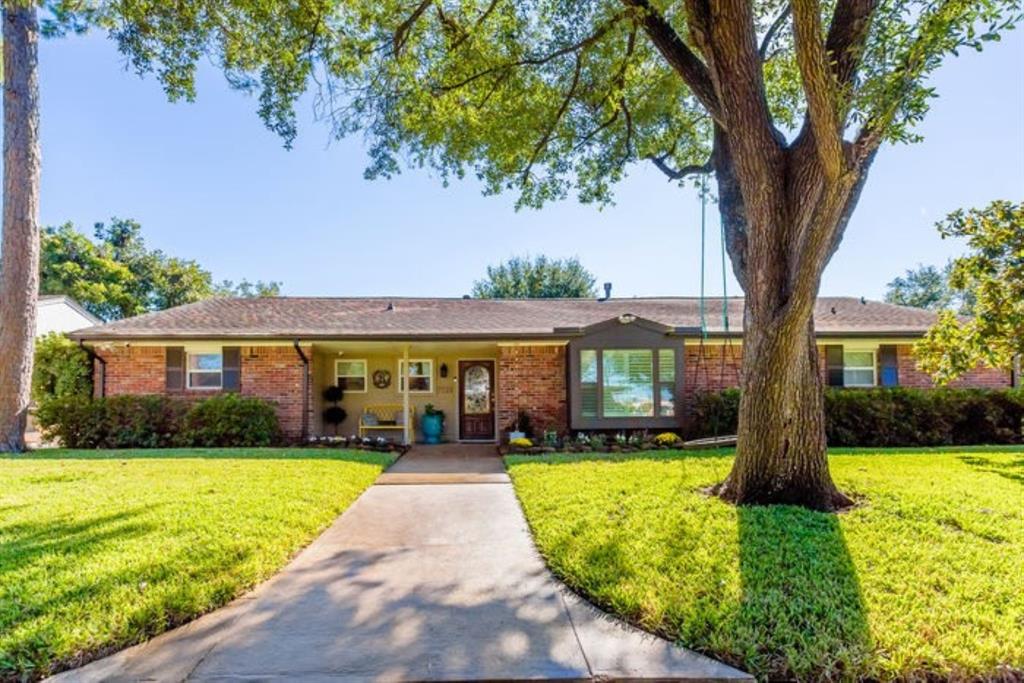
(444, 370)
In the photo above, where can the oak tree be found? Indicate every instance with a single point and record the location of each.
(786, 102)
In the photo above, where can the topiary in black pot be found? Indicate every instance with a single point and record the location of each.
(335, 414)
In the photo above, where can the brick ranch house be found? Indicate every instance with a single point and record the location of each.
(571, 364)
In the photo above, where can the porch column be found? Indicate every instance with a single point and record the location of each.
(406, 422)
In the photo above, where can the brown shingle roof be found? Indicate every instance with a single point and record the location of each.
(404, 318)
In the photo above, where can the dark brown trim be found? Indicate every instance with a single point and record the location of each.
(305, 388)
(625, 336)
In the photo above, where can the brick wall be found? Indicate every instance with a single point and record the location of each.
(711, 367)
(132, 370)
(532, 378)
(979, 378)
(718, 367)
(273, 373)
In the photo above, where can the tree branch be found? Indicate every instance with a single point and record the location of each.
(679, 56)
(847, 35)
(539, 60)
(566, 101)
(402, 32)
(682, 171)
(773, 30)
(819, 86)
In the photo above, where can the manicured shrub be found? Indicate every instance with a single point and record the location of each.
(229, 420)
(115, 422)
(714, 413)
(888, 417)
(159, 421)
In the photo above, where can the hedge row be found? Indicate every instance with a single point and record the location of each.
(226, 420)
(892, 417)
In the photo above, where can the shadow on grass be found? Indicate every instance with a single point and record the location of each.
(369, 457)
(801, 614)
(1012, 470)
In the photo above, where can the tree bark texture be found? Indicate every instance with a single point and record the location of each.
(19, 259)
(784, 207)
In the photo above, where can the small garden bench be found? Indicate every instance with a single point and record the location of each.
(384, 416)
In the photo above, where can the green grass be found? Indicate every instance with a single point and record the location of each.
(102, 549)
(922, 579)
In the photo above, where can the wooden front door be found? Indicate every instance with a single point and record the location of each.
(476, 400)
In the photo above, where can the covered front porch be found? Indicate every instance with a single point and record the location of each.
(382, 381)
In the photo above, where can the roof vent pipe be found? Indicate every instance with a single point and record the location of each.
(607, 292)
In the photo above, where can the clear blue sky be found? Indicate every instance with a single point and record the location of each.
(208, 182)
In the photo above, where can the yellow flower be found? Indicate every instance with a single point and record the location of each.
(666, 439)
(521, 443)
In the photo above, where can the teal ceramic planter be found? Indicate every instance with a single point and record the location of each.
(432, 426)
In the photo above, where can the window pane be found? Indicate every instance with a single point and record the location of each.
(668, 400)
(628, 383)
(666, 365)
(351, 368)
(588, 399)
(588, 365)
(204, 380)
(859, 359)
(858, 378)
(204, 361)
(352, 383)
(421, 374)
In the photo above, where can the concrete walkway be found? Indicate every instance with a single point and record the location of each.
(422, 581)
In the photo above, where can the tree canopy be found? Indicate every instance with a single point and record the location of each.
(993, 273)
(539, 278)
(117, 275)
(927, 287)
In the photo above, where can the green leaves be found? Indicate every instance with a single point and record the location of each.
(541, 278)
(117, 276)
(992, 273)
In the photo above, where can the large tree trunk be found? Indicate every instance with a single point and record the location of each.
(19, 260)
(797, 220)
(781, 452)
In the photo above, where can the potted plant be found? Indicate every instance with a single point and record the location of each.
(520, 427)
(432, 424)
(335, 414)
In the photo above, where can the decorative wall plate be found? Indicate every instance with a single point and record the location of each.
(381, 379)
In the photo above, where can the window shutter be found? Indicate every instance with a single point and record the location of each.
(175, 368)
(231, 368)
(888, 368)
(834, 363)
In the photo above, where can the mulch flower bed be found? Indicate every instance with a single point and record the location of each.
(593, 443)
(365, 443)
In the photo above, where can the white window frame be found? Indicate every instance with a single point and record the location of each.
(365, 375)
(189, 371)
(873, 368)
(429, 376)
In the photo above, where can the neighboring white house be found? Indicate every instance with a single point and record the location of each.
(60, 313)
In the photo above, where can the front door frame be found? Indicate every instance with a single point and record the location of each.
(458, 397)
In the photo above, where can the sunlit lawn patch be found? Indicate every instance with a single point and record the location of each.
(923, 577)
(100, 549)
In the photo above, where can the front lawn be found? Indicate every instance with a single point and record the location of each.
(102, 549)
(922, 579)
